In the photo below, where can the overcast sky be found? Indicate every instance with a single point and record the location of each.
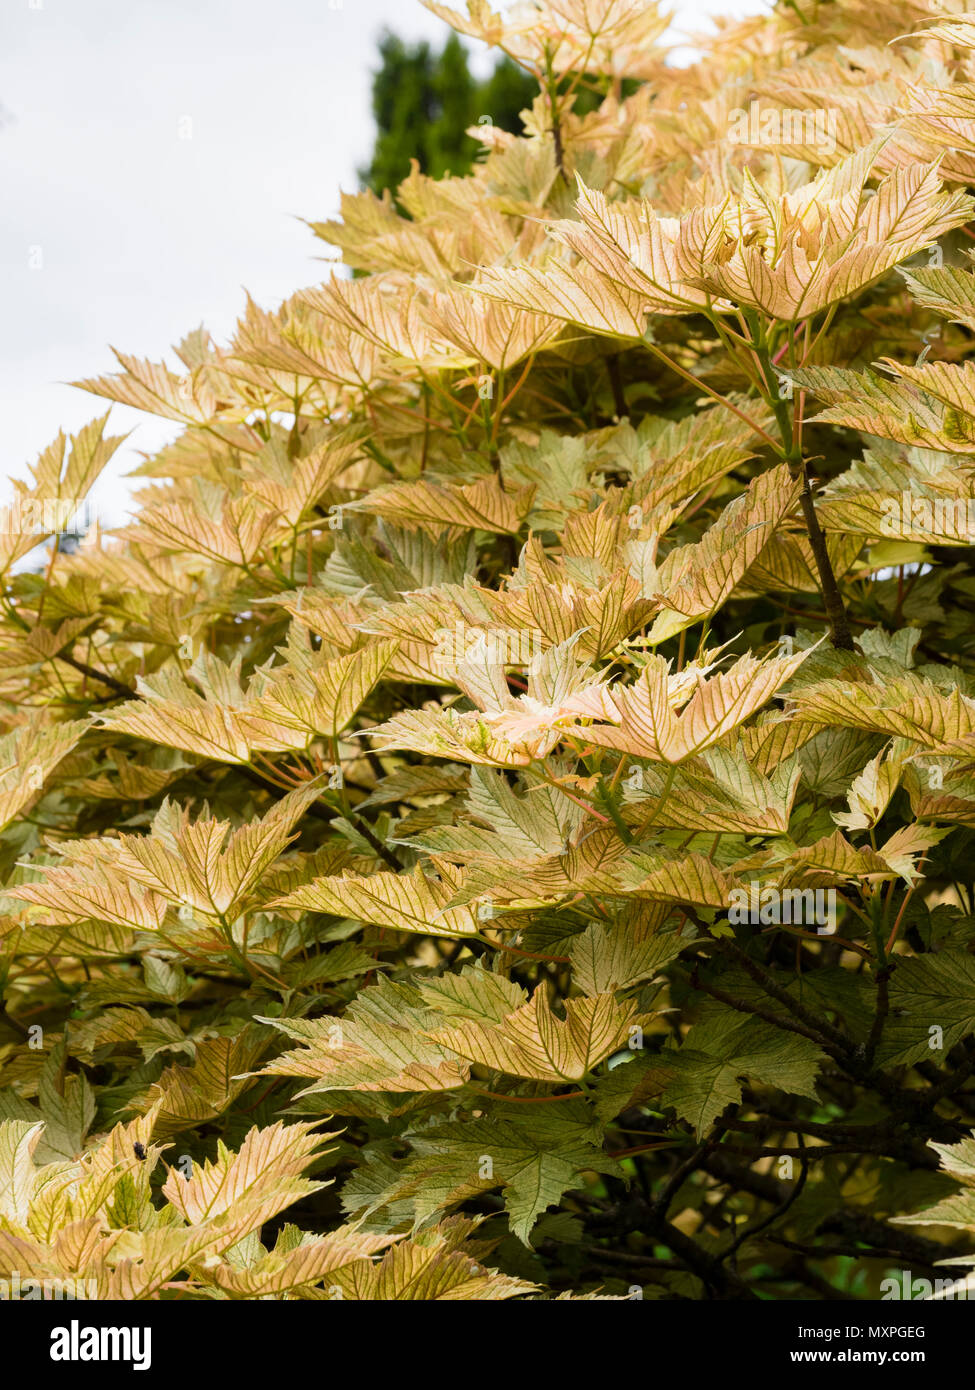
(115, 228)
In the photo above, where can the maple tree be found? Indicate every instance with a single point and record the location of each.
(499, 822)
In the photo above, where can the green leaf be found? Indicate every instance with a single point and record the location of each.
(724, 1051)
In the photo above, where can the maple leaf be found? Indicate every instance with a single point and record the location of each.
(704, 1072)
(28, 755)
(612, 36)
(205, 865)
(534, 1042)
(375, 1047)
(608, 958)
(695, 580)
(403, 902)
(649, 725)
(428, 1268)
(483, 506)
(62, 477)
(931, 409)
(826, 242)
(534, 1163)
(273, 1158)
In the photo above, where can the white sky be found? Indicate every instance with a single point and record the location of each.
(114, 230)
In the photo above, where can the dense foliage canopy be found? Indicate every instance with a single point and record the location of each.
(501, 821)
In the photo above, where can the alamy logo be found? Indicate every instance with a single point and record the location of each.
(76, 1343)
(45, 516)
(788, 907)
(775, 126)
(505, 646)
(904, 1286)
(909, 514)
(19, 1290)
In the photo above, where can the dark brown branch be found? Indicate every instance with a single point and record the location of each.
(840, 634)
